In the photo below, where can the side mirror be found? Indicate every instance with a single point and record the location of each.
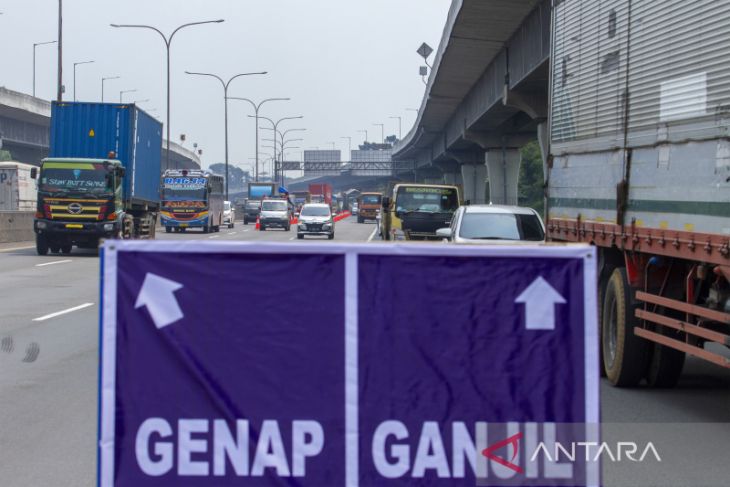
(122, 172)
(444, 233)
(34, 173)
(386, 202)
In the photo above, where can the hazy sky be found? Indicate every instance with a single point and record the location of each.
(346, 64)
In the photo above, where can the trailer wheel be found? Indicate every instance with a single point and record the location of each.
(602, 283)
(41, 244)
(665, 363)
(624, 354)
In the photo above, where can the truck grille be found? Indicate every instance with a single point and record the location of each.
(75, 209)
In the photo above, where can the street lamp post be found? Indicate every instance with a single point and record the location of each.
(257, 108)
(400, 126)
(78, 64)
(366, 134)
(382, 130)
(34, 49)
(274, 124)
(102, 85)
(349, 145)
(282, 136)
(225, 85)
(59, 94)
(121, 94)
(168, 43)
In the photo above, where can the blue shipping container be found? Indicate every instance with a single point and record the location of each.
(93, 130)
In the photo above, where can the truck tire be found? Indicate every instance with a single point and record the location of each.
(360, 219)
(206, 229)
(245, 222)
(168, 229)
(625, 355)
(300, 236)
(66, 249)
(665, 363)
(41, 245)
(602, 283)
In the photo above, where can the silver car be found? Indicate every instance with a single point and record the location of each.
(275, 213)
(316, 219)
(494, 224)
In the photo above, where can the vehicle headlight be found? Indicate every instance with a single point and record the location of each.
(108, 227)
(303, 224)
(42, 225)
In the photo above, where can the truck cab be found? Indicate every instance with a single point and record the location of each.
(417, 211)
(79, 203)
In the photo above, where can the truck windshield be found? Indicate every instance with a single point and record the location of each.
(501, 226)
(371, 200)
(273, 206)
(85, 178)
(428, 200)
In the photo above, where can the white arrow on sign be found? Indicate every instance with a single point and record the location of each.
(540, 299)
(158, 294)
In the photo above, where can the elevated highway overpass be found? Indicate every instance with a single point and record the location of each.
(487, 96)
(25, 131)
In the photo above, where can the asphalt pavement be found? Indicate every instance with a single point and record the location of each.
(49, 358)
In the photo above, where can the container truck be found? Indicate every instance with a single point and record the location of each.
(638, 165)
(321, 193)
(17, 189)
(102, 178)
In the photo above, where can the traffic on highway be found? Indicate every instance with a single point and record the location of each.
(529, 286)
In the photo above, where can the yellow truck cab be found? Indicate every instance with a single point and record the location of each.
(413, 211)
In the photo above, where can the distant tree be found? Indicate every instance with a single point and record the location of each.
(531, 182)
(236, 174)
(5, 156)
(391, 139)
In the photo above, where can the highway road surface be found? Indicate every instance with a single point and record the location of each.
(49, 357)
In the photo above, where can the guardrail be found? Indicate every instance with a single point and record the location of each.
(16, 226)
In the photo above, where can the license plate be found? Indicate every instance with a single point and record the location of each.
(184, 225)
(73, 225)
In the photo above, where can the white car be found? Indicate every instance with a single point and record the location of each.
(229, 214)
(316, 219)
(494, 224)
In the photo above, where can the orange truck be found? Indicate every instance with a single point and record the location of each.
(368, 205)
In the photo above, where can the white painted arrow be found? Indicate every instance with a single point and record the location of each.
(158, 295)
(540, 299)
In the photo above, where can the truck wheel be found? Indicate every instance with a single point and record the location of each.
(602, 283)
(300, 236)
(624, 354)
(168, 229)
(245, 222)
(41, 245)
(206, 229)
(666, 363)
(66, 249)
(55, 249)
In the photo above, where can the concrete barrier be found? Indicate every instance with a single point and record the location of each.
(16, 226)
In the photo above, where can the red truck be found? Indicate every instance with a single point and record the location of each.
(321, 193)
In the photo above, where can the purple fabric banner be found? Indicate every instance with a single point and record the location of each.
(331, 365)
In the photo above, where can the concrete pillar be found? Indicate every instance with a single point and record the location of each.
(474, 177)
(542, 139)
(453, 178)
(503, 166)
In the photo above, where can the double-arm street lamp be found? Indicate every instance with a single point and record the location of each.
(78, 64)
(400, 126)
(225, 85)
(257, 108)
(168, 43)
(366, 134)
(35, 46)
(275, 125)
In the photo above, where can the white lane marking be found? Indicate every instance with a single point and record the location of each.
(232, 233)
(17, 248)
(372, 235)
(65, 311)
(246, 230)
(54, 262)
(214, 236)
(292, 238)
